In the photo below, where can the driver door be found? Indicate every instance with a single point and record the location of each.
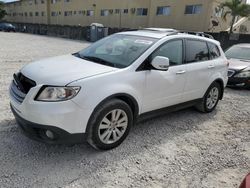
(165, 88)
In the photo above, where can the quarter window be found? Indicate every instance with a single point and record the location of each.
(173, 50)
(196, 51)
(214, 51)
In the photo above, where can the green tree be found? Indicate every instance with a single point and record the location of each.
(235, 8)
(2, 11)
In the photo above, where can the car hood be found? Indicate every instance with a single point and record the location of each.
(62, 70)
(237, 64)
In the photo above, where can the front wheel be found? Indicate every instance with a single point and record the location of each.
(110, 124)
(210, 99)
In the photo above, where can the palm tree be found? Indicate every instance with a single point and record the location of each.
(2, 11)
(235, 8)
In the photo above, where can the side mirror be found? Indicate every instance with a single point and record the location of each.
(160, 63)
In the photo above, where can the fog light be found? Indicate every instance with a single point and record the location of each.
(50, 134)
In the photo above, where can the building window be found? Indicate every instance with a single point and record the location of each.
(36, 2)
(125, 11)
(104, 12)
(68, 13)
(26, 14)
(117, 11)
(30, 2)
(193, 9)
(163, 10)
(42, 13)
(90, 13)
(36, 13)
(42, 1)
(66, 1)
(142, 12)
(53, 14)
(81, 12)
(53, 1)
(31, 14)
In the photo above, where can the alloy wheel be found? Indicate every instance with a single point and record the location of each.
(113, 126)
(212, 98)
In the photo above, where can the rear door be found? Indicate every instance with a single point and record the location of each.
(199, 69)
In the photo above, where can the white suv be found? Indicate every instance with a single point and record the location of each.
(101, 91)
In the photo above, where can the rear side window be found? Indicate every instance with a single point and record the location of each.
(214, 51)
(196, 51)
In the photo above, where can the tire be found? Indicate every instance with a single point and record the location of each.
(109, 124)
(213, 95)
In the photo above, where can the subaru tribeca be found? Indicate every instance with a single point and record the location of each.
(100, 92)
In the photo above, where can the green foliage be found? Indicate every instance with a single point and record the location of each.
(235, 8)
(2, 11)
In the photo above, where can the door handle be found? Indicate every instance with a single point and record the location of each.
(181, 72)
(211, 66)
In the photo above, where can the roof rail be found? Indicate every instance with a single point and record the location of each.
(169, 31)
(161, 30)
(201, 34)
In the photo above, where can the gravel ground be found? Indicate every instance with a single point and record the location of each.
(181, 149)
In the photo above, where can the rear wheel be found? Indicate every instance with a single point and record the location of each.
(211, 98)
(110, 124)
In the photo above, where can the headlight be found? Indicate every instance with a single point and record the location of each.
(54, 94)
(243, 74)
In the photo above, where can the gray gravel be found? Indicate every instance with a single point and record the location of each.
(182, 149)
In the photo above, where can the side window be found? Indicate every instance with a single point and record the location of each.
(196, 51)
(172, 50)
(214, 51)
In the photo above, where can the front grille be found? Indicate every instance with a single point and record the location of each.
(26, 83)
(20, 86)
(230, 73)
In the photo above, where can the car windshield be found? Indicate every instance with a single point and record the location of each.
(117, 50)
(237, 52)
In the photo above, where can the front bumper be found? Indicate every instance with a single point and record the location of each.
(239, 82)
(38, 132)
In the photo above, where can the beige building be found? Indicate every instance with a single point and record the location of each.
(195, 15)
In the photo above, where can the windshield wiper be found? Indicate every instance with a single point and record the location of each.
(245, 60)
(98, 60)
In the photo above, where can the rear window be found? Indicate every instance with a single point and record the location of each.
(214, 51)
(196, 51)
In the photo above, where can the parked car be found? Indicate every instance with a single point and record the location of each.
(7, 27)
(239, 65)
(100, 92)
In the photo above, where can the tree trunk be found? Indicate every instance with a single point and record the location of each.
(232, 24)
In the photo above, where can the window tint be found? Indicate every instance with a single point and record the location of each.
(214, 51)
(172, 50)
(196, 51)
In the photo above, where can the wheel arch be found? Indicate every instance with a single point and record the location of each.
(221, 83)
(127, 98)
